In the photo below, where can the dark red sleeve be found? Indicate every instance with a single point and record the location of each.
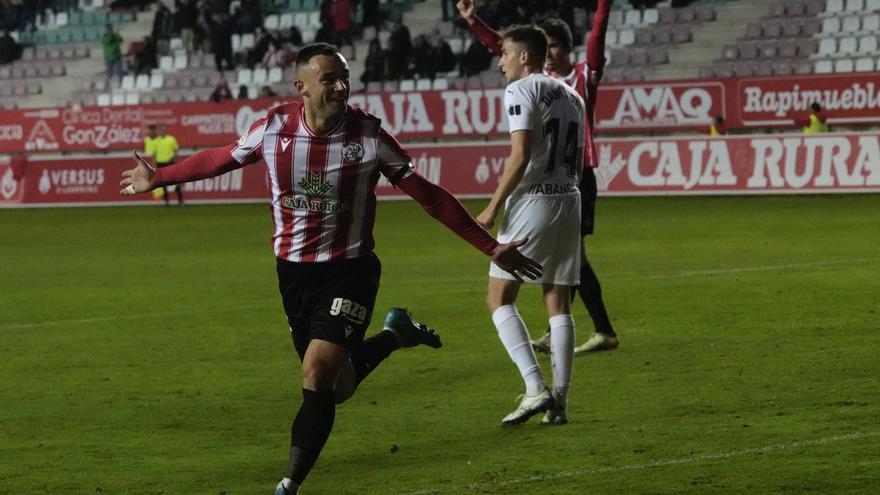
(596, 41)
(202, 165)
(440, 204)
(486, 35)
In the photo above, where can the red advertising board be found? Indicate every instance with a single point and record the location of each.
(769, 102)
(770, 164)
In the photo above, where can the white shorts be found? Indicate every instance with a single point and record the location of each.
(553, 226)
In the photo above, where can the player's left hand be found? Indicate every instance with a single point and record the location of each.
(486, 219)
(141, 178)
(509, 259)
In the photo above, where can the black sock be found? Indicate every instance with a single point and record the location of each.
(310, 431)
(591, 294)
(371, 352)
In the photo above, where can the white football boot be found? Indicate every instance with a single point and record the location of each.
(528, 407)
(542, 344)
(598, 342)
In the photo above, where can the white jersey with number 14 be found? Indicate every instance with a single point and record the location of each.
(554, 112)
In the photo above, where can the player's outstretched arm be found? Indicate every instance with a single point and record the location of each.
(487, 36)
(442, 205)
(514, 169)
(202, 165)
(141, 178)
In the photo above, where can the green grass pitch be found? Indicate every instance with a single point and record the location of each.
(143, 350)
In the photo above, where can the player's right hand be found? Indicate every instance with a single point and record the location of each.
(467, 9)
(141, 178)
(509, 259)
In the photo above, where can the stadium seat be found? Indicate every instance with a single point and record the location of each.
(271, 22)
(777, 9)
(632, 17)
(260, 76)
(650, 16)
(389, 86)
(626, 37)
(180, 62)
(314, 20)
(867, 44)
(615, 18)
(423, 84)
(788, 49)
(827, 46)
(662, 36)
(374, 87)
(706, 72)
(285, 20)
(658, 55)
(127, 82)
(768, 50)
(848, 45)
(666, 15)
(872, 5)
(103, 100)
(744, 70)
(644, 37)
(871, 23)
(156, 81)
(772, 30)
(753, 31)
(117, 99)
(407, 85)
(795, 9)
(440, 84)
(807, 47)
(824, 67)
(301, 20)
(276, 75)
(132, 99)
(748, 51)
(791, 29)
(687, 14)
(865, 64)
(834, 6)
(166, 63)
(811, 27)
(803, 67)
(851, 24)
(247, 41)
(705, 13)
(843, 66)
(236, 44)
(245, 76)
(831, 25)
(782, 68)
(851, 5)
(142, 82)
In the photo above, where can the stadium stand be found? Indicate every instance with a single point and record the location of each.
(62, 59)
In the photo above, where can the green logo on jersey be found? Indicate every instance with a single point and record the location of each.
(315, 185)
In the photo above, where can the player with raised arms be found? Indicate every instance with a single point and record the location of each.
(324, 158)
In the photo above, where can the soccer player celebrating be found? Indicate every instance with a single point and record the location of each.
(324, 158)
(538, 189)
(584, 78)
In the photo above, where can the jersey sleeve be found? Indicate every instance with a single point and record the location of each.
(216, 161)
(519, 108)
(487, 36)
(393, 161)
(249, 147)
(596, 40)
(148, 146)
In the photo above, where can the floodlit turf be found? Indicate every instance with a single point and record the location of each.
(144, 351)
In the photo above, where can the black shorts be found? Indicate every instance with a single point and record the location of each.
(588, 201)
(330, 301)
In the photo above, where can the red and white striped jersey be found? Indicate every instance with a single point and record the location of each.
(323, 186)
(585, 83)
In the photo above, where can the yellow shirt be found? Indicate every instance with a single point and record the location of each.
(162, 148)
(816, 126)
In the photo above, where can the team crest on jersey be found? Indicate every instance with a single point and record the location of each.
(352, 152)
(242, 140)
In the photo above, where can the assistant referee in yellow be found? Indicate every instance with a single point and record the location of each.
(163, 148)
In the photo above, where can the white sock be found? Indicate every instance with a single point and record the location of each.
(561, 356)
(515, 337)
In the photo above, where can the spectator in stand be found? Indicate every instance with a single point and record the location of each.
(293, 36)
(816, 122)
(185, 18)
(476, 59)
(243, 92)
(163, 23)
(221, 42)
(146, 58)
(341, 13)
(400, 50)
(112, 44)
(221, 92)
(446, 60)
(267, 92)
(8, 16)
(248, 17)
(371, 14)
(265, 41)
(10, 50)
(374, 65)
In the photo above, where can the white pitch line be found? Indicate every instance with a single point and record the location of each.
(125, 316)
(676, 461)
